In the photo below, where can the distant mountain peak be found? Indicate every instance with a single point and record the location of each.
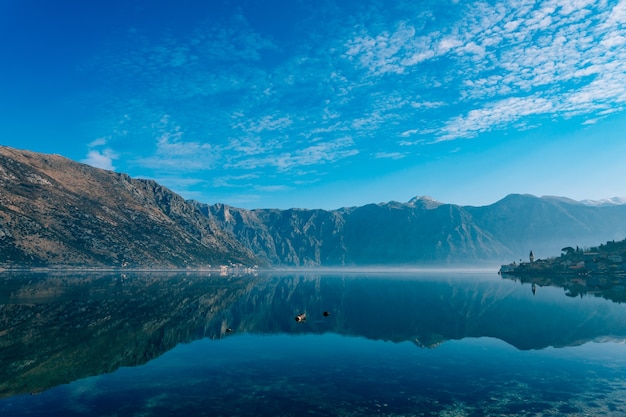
(425, 202)
(559, 199)
(613, 201)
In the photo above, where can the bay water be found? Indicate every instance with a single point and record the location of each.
(320, 343)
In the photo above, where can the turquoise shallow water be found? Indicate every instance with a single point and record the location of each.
(462, 345)
(337, 375)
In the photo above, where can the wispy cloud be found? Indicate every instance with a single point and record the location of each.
(557, 57)
(390, 52)
(318, 153)
(493, 116)
(99, 155)
(244, 104)
(272, 188)
(233, 181)
(266, 123)
(100, 159)
(174, 153)
(389, 155)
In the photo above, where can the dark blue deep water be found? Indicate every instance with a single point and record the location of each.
(420, 343)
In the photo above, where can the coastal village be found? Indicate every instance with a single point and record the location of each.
(598, 271)
(606, 259)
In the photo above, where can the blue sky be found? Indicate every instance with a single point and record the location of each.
(263, 104)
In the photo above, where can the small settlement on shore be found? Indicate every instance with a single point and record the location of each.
(607, 259)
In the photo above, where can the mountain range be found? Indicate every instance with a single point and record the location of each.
(54, 211)
(57, 212)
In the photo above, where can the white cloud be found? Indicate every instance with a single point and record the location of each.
(495, 115)
(174, 154)
(319, 153)
(553, 59)
(251, 145)
(390, 52)
(408, 133)
(272, 188)
(447, 44)
(512, 25)
(100, 159)
(427, 104)
(389, 155)
(265, 124)
(417, 58)
(234, 180)
(97, 142)
(563, 55)
(613, 40)
(380, 78)
(612, 110)
(617, 17)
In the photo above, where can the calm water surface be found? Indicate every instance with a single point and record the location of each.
(384, 344)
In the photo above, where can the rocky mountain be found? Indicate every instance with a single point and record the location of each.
(54, 211)
(547, 224)
(375, 234)
(420, 231)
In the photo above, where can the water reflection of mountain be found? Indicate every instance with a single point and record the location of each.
(428, 311)
(54, 329)
(609, 287)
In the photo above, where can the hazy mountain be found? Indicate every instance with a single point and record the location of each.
(605, 202)
(421, 231)
(547, 224)
(391, 233)
(56, 211)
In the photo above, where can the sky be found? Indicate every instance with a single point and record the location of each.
(326, 103)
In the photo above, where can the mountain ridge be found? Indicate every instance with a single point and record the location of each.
(57, 212)
(409, 233)
(54, 211)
